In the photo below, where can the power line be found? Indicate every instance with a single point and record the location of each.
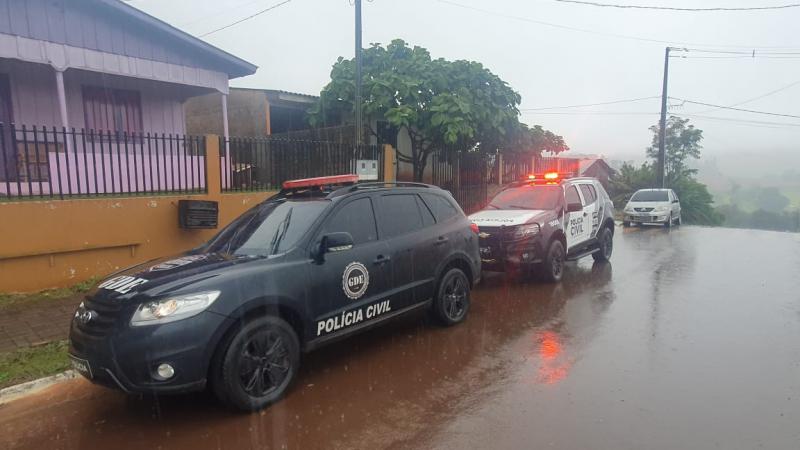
(672, 8)
(728, 119)
(217, 12)
(590, 113)
(735, 57)
(750, 52)
(246, 18)
(591, 104)
(736, 109)
(599, 33)
(759, 97)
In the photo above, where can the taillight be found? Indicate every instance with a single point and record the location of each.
(474, 227)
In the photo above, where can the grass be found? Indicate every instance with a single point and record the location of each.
(30, 363)
(27, 299)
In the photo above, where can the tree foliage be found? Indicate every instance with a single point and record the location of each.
(682, 142)
(440, 103)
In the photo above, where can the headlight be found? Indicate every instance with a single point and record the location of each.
(523, 231)
(661, 208)
(173, 308)
(628, 208)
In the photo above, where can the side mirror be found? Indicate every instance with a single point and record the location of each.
(336, 242)
(574, 207)
(676, 201)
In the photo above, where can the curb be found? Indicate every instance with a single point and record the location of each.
(17, 391)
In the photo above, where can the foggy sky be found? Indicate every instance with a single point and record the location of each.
(295, 45)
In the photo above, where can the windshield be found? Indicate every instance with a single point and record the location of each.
(528, 197)
(650, 196)
(269, 229)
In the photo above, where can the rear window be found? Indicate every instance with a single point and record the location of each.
(650, 196)
(589, 194)
(399, 215)
(442, 208)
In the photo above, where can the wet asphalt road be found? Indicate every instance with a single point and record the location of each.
(689, 338)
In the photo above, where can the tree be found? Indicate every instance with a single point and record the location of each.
(682, 141)
(442, 104)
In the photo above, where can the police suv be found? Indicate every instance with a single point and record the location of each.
(323, 259)
(540, 223)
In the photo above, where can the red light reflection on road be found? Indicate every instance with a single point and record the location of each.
(552, 364)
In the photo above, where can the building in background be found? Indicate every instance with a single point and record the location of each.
(251, 112)
(99, 65)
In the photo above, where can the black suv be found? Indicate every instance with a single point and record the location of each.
(321, 260)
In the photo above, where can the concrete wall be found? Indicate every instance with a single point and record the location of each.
(57, 243)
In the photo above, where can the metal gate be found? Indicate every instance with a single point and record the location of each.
(464, 174)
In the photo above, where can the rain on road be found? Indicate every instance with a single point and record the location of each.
(689, 338)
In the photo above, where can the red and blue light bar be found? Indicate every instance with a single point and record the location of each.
(549, 177)
(320, 181)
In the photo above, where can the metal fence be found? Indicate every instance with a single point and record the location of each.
(42, 162)
(465, 174)
(251, 164)
(516, 167)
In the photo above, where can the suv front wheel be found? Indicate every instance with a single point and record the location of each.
(451, 304)
(258, 364)
(553, 267)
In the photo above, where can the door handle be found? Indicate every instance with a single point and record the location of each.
(381, 260)
(441, 240)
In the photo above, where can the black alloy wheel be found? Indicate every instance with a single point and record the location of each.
(453, 297)
(255, 365)
(264, 363)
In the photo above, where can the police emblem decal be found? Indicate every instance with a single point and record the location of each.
(355, 280)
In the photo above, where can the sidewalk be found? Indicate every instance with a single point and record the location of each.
(24, 325)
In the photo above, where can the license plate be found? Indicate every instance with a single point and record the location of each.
(486, 251)
(81, 366)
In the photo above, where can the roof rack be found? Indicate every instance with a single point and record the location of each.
(376, 185)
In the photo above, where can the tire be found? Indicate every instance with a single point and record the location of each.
(668, 223)
(605, 241)
(626, 224)
(553, 267)
(451, 304)
(678, 221)
(257, 364)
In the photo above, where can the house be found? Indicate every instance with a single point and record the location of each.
(251, 112)
(115, 74)
(580, 165)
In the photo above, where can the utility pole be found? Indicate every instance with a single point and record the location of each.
(359, 123)
(662, 127)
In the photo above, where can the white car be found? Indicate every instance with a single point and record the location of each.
(653, 206)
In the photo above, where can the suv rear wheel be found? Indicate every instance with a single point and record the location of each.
(451, 304)
(258, 364)
(605, 243)
(553, 267)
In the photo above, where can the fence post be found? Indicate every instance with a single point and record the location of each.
(500, 169)
(213, 185)
(389, 163)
